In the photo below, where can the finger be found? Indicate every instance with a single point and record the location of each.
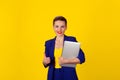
(48, 57)
(59, 62)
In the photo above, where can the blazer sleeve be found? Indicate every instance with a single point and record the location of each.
(46, 53)
(81, 55)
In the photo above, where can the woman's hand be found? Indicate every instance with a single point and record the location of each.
(68, 61)
(62, 60)
(46, 60)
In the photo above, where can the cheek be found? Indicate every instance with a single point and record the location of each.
(63, 29)
(55, 29)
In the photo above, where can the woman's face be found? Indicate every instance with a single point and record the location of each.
(59, 27)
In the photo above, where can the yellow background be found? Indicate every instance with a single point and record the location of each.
(26, 24)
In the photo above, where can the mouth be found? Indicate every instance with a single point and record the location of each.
(59, 32)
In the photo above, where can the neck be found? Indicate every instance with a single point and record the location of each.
(60, 37)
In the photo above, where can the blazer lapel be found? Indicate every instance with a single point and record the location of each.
(65, 37)
(52, 48)
(53, 45)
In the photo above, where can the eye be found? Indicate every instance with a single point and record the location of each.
(62, 26)
(56, 26)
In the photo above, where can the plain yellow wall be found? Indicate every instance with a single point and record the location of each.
(26, 24)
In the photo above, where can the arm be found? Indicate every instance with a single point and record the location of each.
(78, 60)
(69, 61)
(81, 55)
(46, 61)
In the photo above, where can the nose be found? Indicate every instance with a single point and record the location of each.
(59, 29)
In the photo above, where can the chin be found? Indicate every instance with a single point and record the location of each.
(60, 34)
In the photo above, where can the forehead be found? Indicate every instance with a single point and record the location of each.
(59, 22)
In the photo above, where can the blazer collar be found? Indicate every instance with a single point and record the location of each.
(65, 38)
(53, 43)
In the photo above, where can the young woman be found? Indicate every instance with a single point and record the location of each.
(53, 50)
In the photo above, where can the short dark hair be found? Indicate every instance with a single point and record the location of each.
(61, 18)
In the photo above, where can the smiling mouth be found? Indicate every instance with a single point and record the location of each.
(59, 32)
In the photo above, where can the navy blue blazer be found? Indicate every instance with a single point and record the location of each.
(49, 50)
